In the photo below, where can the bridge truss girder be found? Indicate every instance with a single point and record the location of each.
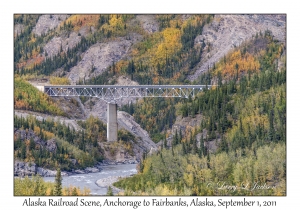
(112, 93)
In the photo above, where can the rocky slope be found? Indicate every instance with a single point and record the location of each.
(22, 169)
(48, 22)
(100, 56)
(228, 31)
(18, 28)
(148, 23)
(49, 145)
(186, 125)
(64, 42)
(39, 116)
(29, 168)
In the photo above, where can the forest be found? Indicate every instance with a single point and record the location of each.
(245, 114)
(81, 146)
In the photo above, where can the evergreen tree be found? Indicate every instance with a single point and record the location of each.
(165, 143)
(202, 148)
(223, 146)
(175, 140)
(58, 184)
(195, 148)
(39, 187)
(109, 191)
(271, 126)
(23, 151)
(208, 157)
(183, 148)
(74, 191)
(180, 136)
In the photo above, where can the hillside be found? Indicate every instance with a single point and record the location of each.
(226, 32)
(227, 134)
(241, 119)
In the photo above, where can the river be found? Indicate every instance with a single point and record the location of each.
(89, 180)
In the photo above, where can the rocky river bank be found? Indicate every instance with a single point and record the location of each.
(99, 182)
(22, 169)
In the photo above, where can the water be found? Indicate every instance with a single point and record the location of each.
(89, 180)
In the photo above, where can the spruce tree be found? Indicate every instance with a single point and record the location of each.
(202, 147)
(58, 184)
(223, 146)
(271, 126)
(109, 191)
(195, 147)
(208, 157)
(183, 148)
(165, 143)
(74, 191)
(175, 140)
(180, 136)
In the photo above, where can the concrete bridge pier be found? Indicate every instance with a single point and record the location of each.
(112, 122)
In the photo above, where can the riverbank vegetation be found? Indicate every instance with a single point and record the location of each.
(36, 186)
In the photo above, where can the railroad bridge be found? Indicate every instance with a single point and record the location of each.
(112, 93)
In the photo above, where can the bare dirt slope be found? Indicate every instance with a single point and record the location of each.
(228, 31)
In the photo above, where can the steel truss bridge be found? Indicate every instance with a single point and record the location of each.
(112, 93)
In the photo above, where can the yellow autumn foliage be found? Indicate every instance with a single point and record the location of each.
(36, 186)
(169, 45)
(79, 21)
(59, 81)
(116, 21)
(235, 63)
